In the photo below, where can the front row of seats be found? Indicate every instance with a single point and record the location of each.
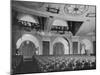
(64, 64)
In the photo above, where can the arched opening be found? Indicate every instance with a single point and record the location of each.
(28, 46)
(27, 49)
(59, 22)
(60, 26)
(27, 17)
(58, 48)
(86, 47)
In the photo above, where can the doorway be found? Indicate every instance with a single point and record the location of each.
(58, 48)
(27, 49)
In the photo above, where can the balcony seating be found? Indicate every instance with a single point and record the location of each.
(28, 26)
(59, 29)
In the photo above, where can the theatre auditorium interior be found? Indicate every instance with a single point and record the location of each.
(52, 37)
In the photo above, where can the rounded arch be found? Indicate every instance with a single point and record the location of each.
(58, 48)
(28, 37)
(86, 45)
(59, 22)
(27, 49)
(64, 42)
(27, 17)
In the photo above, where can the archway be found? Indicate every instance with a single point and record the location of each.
(27, 49)
(27, 17)
(59, 22)
(28, 45)
(86, 47)
(60, 46)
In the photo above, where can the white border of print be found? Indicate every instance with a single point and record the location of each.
(5, 37)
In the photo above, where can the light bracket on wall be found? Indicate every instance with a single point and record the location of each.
(52, 10)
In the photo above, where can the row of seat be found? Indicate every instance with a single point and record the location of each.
(61, 63)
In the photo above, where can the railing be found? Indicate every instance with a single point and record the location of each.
(59, 29)
(28, 26)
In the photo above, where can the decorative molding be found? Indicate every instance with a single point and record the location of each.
(75, 9)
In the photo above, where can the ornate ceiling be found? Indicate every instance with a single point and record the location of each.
(66, 12)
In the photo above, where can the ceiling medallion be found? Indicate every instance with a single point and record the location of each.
(75, 9)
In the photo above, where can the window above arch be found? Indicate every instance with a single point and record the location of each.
(28, 22)
(60, 26)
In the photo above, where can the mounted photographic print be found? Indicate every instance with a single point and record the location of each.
(52, 37)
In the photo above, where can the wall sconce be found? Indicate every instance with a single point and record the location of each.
(52, 9)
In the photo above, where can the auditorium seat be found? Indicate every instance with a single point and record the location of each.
(63, 63)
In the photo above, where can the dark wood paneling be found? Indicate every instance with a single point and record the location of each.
(46, 46)
(94, 47)
(75, 47)
(58, 49)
